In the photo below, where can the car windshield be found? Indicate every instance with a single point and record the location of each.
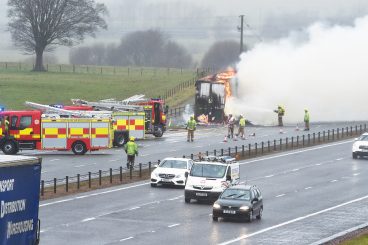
(363, 138)
(173, 164)
(236, 194)
(208, 170)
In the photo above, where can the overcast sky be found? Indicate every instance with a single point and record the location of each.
(197, 24)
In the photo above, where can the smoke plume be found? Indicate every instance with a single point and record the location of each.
(323, 68)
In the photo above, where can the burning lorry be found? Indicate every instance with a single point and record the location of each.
(211, 94)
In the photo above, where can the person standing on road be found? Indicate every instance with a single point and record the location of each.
(280, 113)
(230, 125)
(131, 150)
(241, 127)
(191, 127)
(306, 120)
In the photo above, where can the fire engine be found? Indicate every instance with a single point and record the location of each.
(28, 130)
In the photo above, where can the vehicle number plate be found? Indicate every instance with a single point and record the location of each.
(201, 194)
(165, 180)
(229, 211)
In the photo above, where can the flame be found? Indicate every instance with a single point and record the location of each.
(225, 78)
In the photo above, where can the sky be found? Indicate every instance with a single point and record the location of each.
(197, 24)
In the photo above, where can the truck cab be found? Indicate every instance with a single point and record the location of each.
(23, 131)
(207, 179)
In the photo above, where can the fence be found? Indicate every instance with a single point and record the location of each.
(107, 70)
(96, 180)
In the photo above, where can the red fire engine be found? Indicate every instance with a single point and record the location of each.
(28, 130)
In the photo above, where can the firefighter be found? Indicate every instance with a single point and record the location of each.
(131, 150)
(230, 125)
(191, 127)
(241, 127)
(6, 128)
(280, 113)
(306, 120)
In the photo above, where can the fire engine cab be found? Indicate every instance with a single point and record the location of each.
(29, 130)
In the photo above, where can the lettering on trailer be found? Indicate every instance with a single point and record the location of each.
(19, 202)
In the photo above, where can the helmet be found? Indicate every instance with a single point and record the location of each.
(192, 117)
(241, 115)
(132, 138)
(305, 110)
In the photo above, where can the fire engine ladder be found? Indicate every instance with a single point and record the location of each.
(114, 105)
(54, 112)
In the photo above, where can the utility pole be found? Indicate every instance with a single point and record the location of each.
(241, 28)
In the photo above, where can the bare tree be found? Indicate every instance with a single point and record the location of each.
(40, 25)
(94, 55)
(221, 54)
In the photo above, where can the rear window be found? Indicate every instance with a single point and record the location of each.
(208, 170)
(236, 194)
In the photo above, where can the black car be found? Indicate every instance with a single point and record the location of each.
(240, 202)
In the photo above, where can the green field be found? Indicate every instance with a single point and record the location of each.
(360, 240)
(18, 85)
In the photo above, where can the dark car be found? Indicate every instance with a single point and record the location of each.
(240, 202)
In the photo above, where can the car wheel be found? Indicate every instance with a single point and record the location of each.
(214, 218)
(250, 217)
(355, 156)
(153, 185)
(187, 200)
(259, 216)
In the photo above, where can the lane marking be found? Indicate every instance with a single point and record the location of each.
(125, 239)
(89, 219)
(295, 169)
(281, 195)
(134, 208)
(42, 172)
(269, 176)
(170, 226)
(307, 188)
(356, 174)
(332, 181)
(296, 152)
(114, 160)
(339, 159)
(237, 239)
(318, 164)
(53, 160)
(79, 166)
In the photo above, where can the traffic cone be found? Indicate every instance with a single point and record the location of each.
(225, 139)
(235, 138)
(281, 131)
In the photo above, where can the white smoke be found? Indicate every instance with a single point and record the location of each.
(323, 68)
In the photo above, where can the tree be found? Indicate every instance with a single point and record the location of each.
(94, 55)
(221, 54)
(41, 25)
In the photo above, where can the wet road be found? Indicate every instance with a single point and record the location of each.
(173, 144)
(309, 194)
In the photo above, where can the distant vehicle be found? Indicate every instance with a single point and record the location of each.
(240, 202)
(360, 146)
(19, 195)
(208, 179)
(171, 171)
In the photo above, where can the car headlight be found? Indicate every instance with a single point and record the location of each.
(216, 206)
(244, 208)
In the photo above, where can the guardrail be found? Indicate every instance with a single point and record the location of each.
(108, 177)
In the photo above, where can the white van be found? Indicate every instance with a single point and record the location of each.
(208, 179)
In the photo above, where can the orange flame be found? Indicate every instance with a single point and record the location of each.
(225, 78)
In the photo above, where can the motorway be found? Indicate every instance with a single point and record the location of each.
(56, 164)
(309, 195)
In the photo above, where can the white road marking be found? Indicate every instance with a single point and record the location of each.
(318, 164)
(356, 174)
(173, 150)
(281, 195)
(53, 160)
(170, 226)
(269, 176)
(124, 239)
(79, 166)
(114, 160)
(134, 208)
(145, 155)
(307, 188)
(89, 219)
(332, 181)
(198, 146)
(339, 159)
(118, 150)
(42, 172)
(296, 152)
(295, 169)
(292, 221)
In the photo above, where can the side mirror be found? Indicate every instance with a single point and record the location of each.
(186, 174)
(228, 178)
(155, 166)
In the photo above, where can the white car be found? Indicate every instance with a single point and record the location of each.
(360, 146)
(171, 171)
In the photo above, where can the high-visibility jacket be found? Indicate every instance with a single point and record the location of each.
(191, 124)
(281, 111)
(306, 117)
(131, 148)
(6, 125)
(242, 122)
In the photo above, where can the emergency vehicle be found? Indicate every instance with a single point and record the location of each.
(152, 109)
(29, 130)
